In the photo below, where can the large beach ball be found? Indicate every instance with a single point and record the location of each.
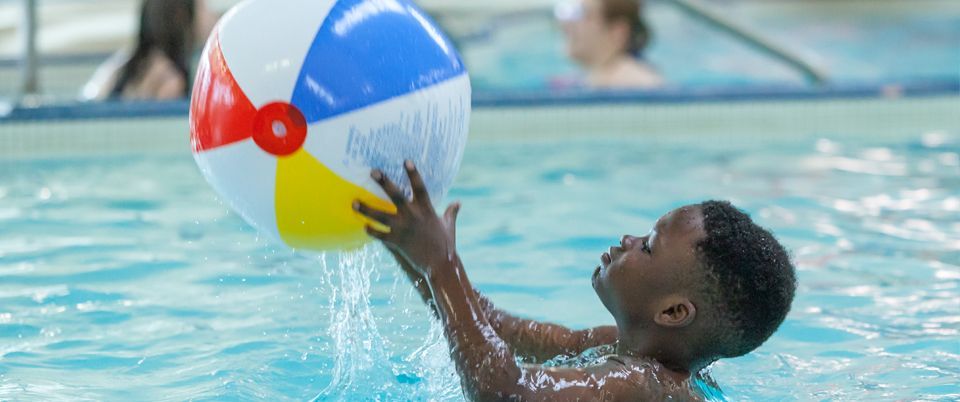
(295, 101)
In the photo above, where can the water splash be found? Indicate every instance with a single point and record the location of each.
(441, 382)
(356, 342)
(366, 362)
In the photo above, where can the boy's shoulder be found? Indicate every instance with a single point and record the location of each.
(649, 377)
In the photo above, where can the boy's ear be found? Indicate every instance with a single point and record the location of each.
(675, 312)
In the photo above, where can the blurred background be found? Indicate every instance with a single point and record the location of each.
(515, 47)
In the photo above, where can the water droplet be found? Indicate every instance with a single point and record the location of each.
(44, 194)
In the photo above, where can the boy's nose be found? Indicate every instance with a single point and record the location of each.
(626, 242)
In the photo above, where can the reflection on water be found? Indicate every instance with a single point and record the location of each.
(124, 278)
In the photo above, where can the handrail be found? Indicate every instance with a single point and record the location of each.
(704, 14)
(29, 66)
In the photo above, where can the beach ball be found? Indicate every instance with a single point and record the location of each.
(295, 101)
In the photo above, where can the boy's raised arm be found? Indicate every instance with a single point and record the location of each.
(487, 367)
(542, 341)
(539, 341)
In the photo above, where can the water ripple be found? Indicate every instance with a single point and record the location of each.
(126, 279)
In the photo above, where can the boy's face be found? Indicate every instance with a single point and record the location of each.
(635, 276)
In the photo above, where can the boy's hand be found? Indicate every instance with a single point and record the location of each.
(415, 233)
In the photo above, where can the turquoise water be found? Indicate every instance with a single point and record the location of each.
(851, 42)
(125, 278)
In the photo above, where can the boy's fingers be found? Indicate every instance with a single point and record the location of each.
(416, 183)
(383, 217)
(450, 218)
(396, 195)
(376, 234)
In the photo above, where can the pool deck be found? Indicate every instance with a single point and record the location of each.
(70, 26)
(74, 26)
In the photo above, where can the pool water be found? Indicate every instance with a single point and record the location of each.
(125, 278)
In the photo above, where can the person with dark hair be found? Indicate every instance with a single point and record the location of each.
(159, 66)
(706, 283)
(607, 38)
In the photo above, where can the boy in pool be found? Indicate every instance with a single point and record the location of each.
(706, 283)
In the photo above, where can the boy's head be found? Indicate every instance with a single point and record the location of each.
(705, 283)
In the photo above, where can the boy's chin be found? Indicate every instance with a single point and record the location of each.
(595, 280)
(601, 291)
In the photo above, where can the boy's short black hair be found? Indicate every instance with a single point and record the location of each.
(753, 281)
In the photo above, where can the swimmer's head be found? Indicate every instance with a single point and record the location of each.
(169, 24)
(599, 29)
(706, 283)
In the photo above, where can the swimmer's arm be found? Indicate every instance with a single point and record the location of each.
(489, 371)
(539, 341)
(543, 341)
(487, 367)
(428, 243)
(417, 280)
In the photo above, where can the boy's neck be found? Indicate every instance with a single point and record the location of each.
(643, 345)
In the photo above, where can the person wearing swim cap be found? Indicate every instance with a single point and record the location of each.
(607, 39)
(705, 283)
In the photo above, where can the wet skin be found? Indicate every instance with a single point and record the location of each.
(631, 282)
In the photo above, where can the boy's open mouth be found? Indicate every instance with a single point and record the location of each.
(612, 254)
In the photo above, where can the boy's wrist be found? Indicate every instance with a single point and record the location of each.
(440, 268)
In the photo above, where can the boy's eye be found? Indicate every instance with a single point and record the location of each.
(645, 245)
